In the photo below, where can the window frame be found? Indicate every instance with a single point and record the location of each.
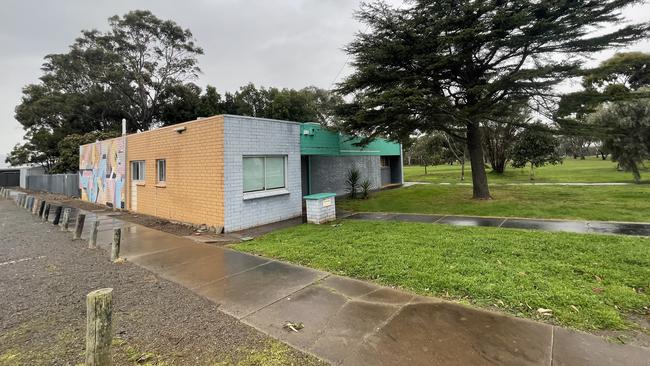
(164, 170)
(142, 168)
(265, 189)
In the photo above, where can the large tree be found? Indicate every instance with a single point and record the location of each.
(626, 127)
(127, 72)
(451, 65)
(536, 146)
(141, 58)
(613, 108)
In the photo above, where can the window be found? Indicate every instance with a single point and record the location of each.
(137, 170)
(264, 173)
(161, 170)
(385, 161)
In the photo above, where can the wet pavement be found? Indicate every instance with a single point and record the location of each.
(352, 322)
(583, 227)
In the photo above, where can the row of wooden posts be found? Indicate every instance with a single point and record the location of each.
(99, 303)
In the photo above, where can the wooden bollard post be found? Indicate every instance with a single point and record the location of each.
(30, 203)
(46, 212)
(115, 249)
(99, 328)
(92, 238)
(35, 206)
(57, 215)
(79, 226)
(65, 219)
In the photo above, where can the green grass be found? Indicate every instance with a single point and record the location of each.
(590, 170)
(617, 203)
(588, 281)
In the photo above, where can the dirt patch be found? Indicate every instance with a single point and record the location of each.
(45, 277)
(195, 232)
(157, 223)
(153, 222)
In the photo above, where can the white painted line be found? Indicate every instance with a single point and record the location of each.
(20, 260)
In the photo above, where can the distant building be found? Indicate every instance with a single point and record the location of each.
(229, 172)
(17, 176)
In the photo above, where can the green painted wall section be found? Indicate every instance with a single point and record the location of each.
(315, 140)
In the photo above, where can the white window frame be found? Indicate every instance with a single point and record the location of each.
(276, 189)
(164, 162)
(142, 168)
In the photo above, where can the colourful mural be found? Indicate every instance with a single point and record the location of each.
(102, 172)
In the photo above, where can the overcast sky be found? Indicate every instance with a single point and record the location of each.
(282, 43)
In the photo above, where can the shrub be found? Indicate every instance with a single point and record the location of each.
(366, 186)
(352, 182)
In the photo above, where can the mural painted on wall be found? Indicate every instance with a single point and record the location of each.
(102, 172)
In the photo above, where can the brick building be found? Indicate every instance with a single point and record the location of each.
(229, 172)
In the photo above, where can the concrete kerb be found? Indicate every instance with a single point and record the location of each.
(57, 215)
(65, 219)
(41, 208)
(79, 226)
(34, 206)
(46, 212)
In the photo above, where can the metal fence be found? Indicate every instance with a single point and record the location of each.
(67, 184)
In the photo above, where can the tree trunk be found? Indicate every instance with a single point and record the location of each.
(499, 165)
(635, 172)
(475, 149)
(462, 168)
(532, 171)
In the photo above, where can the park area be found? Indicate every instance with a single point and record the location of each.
(556, 193)
(590, 170)
(592, 282)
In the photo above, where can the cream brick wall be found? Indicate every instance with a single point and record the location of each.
(194, 187)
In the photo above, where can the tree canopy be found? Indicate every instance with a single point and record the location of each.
(453, 65)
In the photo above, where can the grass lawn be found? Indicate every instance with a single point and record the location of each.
(589, 170)
(589, 282)
(617, 203)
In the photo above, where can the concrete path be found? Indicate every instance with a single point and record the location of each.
(583, 227)
(350, 322)
(568, 184)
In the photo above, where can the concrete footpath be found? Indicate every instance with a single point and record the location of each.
(350, 322)
(571, 226)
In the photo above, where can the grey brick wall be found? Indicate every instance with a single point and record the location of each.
(329, 173)
(256, 136)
